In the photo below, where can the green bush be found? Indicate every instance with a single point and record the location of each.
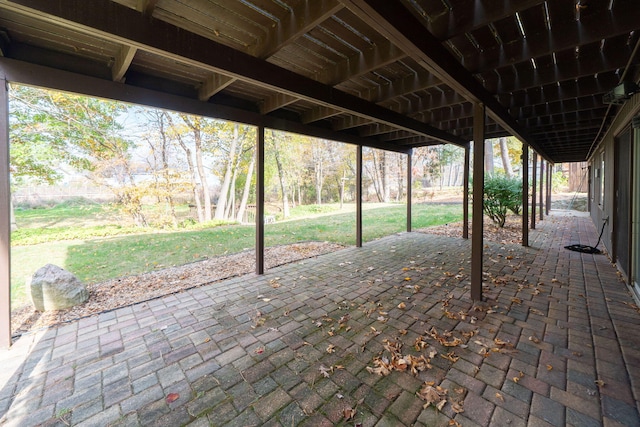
(500, 195)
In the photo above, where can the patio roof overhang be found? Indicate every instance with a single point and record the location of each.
(391, 74)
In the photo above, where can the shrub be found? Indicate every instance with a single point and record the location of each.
(500, 195)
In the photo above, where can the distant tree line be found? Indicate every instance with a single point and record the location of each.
(142, 154)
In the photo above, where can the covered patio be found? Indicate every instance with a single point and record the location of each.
(554, 343)
(528, 334)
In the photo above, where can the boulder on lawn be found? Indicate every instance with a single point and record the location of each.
(54, 288)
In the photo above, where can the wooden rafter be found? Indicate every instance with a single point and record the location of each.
(118, 23)
(400, 26)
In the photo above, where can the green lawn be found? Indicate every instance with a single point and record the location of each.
(99, 258)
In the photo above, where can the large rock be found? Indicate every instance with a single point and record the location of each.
(54, 288)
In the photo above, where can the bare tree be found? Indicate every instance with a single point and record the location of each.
(504, 154)
(196, 126)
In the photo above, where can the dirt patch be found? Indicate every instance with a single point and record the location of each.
(129, 290)
(511, 233)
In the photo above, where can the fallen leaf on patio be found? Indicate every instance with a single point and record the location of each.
(469, 334)
(331, 349)
(536, 311)
(435, 396)
(516, 379)
(324, 371)
(420, 343)
(456, 407)
(516, 301)
(172, 397)
(554, 280)
(599, 383)
(500, 342)
(534, 339)
(499, 396)
(454, 423)
(549, 367)
(402, 306)
(403, 332)
(349, 413)
(406, 279)
(450, 356)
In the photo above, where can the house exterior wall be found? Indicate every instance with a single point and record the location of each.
(602, 190)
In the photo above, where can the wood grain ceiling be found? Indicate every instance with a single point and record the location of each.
(390, 73)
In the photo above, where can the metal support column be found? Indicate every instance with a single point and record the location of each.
(477, 241)
(409, 186)
(525, 194)
(542, 166)
(465, 192)
(549, 176)
(359, 197)
(534, 174)
(5, 222)
(260, 201)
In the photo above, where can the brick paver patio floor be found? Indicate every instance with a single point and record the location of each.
(557, 342)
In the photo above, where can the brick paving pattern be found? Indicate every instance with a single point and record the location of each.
(557, 342)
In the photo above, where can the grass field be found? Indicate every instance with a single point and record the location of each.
(86, 242)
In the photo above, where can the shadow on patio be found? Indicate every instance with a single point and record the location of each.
(556, 343)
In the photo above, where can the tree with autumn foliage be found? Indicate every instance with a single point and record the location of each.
(50, 130)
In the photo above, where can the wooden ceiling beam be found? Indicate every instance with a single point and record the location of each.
(319, 113)
(122, 62)
(394, 21)
(350, 123)
(559, 91)
(305, 16)
(375, 129)
(121, 24)
(454, 24)
(275, 102)
(621, 20)
(31, 74)
(213, 84)
(557, 107)
(511, 79)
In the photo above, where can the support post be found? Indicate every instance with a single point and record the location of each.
(477, 241)
(542, 166)
(260, 201)
(525, 193)
(465, 192)
(359, 197)
(534, 174)
(409, 186)
(549, 176)
(5, 222)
